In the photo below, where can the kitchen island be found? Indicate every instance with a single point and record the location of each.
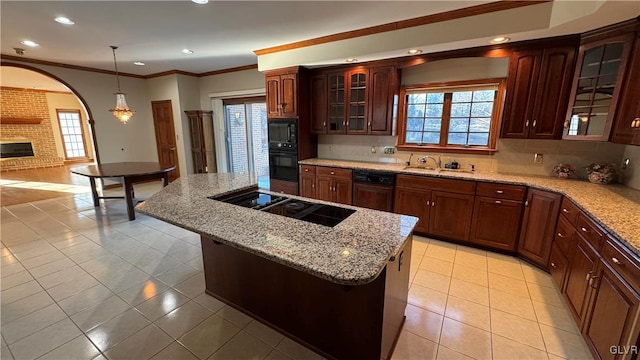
(340, 290)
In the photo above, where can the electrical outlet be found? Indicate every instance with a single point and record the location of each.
(537, 158)
(373, 149)
(389, 150)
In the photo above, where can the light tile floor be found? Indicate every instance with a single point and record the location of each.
(80, 282)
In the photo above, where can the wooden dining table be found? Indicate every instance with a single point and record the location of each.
(126, 173)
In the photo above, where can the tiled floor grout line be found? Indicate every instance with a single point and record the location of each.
(59, 307)
(168, 231)
(99, 282)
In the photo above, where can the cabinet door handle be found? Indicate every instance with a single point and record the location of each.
(565, 211)
(592, 282)
(589, 276)
(307, 170)
(433, 203)
(498, 202)
(553, 265)
(499, 192)
(428, 202)
(369, 124)
(566, 124)
(313, 185)
(333, 173)
(526, 123)
(324, 123)
(584, 230)
(534, 122)
(344, 123)
(560, 235)
(616, 261)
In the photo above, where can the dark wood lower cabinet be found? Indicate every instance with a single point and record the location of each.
(451, 215)
(611, 326)
(338, 321)
(414, 202)
(308, 186)
(371, 196)
(579, 279)
(496, 223)
(286, 187)
(558, 265)
(538, 225)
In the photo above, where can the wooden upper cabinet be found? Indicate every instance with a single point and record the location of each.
(356, 101)
(552, 93)
(282, 94)
(319, 103)
(596, 88)
(359, 100)
(629, 110)
(538, 225)
(538, 88)
(384, 90)
(521, 82)
(337, 99)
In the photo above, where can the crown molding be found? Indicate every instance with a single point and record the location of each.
(403, 24)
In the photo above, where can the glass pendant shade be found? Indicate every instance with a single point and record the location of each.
(122, 111)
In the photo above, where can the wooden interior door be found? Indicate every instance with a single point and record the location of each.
(165, 136)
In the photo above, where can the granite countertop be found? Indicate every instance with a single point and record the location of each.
(615, 207)
(353, 252)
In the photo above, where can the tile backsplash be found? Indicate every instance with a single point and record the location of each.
(514, 156)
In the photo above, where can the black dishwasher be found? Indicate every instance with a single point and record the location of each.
(373, 189)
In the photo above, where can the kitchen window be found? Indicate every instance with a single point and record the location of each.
(451, 117)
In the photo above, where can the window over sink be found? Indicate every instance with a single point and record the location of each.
(457, 117)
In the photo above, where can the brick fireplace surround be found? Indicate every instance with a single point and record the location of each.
(27, 104)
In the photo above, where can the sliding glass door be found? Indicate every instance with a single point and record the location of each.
(246, 136)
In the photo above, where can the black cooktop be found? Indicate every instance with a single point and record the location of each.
(322, 214)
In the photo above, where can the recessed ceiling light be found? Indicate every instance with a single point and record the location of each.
(351, 60)
(414, 52)
(64, 20)
(29, 43)
(139, 63)
(187, 51)
(201, 2)
(500, 40)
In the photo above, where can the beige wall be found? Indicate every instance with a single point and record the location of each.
(134, 141)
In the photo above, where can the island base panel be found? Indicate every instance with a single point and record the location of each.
(337, 321)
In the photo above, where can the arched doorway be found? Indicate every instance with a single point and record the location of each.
(52, 125)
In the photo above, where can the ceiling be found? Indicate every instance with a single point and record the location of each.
(224, 34)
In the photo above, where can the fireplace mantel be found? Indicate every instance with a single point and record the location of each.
(20, 121)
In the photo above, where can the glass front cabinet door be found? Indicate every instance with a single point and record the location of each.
(596, 87)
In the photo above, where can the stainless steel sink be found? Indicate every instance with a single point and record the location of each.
(423, 168)
(457, 170)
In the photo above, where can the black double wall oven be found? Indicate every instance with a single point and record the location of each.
(283, 149)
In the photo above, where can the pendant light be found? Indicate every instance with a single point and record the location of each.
(121, 111)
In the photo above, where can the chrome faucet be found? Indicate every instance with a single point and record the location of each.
(423, 160)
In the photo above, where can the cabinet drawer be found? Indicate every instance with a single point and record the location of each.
(564, 236)
(590, 231)
(335, 172)
(558, 265)
(427, 183)
(308, 169)
(623, 262)
(501, 191)
(569, 210)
